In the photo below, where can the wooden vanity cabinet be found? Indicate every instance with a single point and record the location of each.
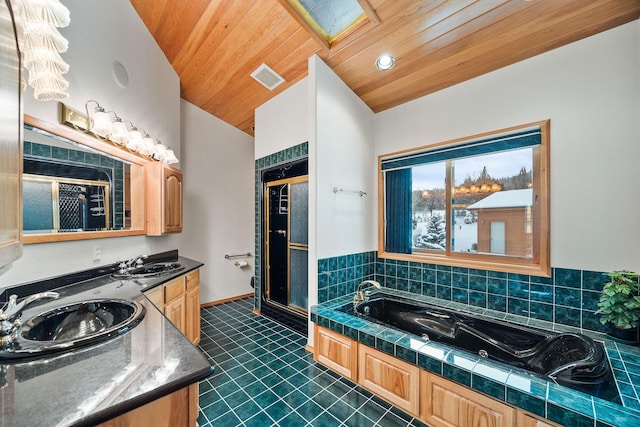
(173, 410)
(192, 306)
(174, 307)
(163, 199)
(179, 301)
(435, 400)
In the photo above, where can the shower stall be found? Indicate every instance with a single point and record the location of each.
(285, 244)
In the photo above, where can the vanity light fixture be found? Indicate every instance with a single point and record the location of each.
(385, 62)
(99, 121)
(100, 124)
(147, 145)
(119, 132)
(135, 138)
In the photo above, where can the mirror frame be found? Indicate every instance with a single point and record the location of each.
(138, 226)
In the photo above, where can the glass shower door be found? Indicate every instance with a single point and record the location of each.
(298, 244)
(287, 243)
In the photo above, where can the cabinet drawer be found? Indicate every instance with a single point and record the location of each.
(156, 296)
(174, 289)
(193, 279)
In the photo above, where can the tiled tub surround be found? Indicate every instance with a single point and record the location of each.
(568, 297)
(513, 386)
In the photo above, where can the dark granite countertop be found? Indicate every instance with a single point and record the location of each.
(511, 385)
(93, 384)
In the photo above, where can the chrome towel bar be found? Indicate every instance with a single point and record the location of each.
(227, 256)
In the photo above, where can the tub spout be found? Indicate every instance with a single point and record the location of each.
(360, 294)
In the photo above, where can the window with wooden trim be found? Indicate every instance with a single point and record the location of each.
(479, 202)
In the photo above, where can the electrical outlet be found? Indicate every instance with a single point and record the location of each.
(97, 252)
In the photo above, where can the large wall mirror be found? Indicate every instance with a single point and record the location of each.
(76, 187)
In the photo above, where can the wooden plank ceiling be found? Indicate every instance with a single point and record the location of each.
(214, 45)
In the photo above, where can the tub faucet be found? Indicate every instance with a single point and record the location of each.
(363, 296)
(10, 315)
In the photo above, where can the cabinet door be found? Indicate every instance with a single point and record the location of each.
(173, 410)
(163, 199)
(336, 352)
(172, 201)
(392, 379)
(175, 312)
(192, 315)
(447, 404)
(526, 420)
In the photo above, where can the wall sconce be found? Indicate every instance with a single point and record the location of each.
(42, 45)
(100, 124)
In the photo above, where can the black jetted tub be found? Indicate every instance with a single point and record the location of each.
(569, 359)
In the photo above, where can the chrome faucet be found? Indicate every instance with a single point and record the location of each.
(363, 296)
(10, 315)
(136, 261)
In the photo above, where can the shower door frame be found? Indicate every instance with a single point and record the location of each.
(290, 245)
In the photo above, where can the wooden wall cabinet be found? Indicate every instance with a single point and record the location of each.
(163, 199)
(393, 379)
(10, 141)
(336, 352)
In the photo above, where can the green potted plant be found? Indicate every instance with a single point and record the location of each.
(619, 305)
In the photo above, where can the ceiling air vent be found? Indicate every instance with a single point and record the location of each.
(267, 77)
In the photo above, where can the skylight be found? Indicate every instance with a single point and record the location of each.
(330, 19)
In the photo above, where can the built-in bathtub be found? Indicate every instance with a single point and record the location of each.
(569, 359)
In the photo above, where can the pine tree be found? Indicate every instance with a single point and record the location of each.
(435, 236)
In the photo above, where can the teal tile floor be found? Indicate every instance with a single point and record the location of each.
(264, 377)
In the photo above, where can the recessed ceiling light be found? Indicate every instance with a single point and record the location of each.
(385, 62)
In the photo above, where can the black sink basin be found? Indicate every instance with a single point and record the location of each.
(149, 270)
(74, 325)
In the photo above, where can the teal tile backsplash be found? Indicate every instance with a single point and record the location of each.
(569, 297)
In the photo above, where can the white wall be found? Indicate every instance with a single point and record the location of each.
(283, 121)
(591, 92)
(345, 159)
(102, 32)
(218, 202)
(341, 155)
